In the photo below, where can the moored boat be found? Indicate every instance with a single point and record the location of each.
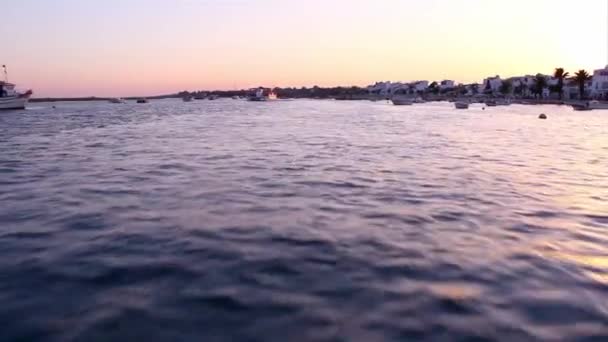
(260, 95)
(491, 103)
(590, 105)
(117, 100)
(142, 100)
(461, 105)
(402, 100)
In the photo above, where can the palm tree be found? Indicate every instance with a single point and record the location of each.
(505, 87)
(581, 77)
(434, 88)
(560, 74)
(540, 83)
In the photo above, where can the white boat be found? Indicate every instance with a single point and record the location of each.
(597, 105)
(259, 95)
(461, 105)
(590, 105)
(10, 98)
(402, 100)
(419, 100)
(117, 100)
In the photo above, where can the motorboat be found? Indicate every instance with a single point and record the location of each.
(187, 98)
(11, 99)
(213, 97)
(117, 100)
(402, 100)
(590, 105)
(142, 100)
(419, 100)
(257, 95)
(461, 105)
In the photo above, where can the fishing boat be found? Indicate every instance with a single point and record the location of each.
(11, 98)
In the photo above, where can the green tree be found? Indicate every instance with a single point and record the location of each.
(434, 88)
(505, 87)
(580, 78)
(561, 75)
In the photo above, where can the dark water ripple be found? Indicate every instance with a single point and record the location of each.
(302, 221)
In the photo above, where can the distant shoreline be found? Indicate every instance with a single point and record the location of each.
(95, 98)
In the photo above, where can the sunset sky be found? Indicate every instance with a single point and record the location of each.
(146, 47)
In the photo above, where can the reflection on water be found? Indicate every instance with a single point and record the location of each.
(302, 221)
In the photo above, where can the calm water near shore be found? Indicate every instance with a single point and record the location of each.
(302, 221)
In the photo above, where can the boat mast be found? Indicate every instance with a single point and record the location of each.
(5, 73)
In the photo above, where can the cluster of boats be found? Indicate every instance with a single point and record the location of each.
(401, 100)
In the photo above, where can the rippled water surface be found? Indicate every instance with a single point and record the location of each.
(302, 221)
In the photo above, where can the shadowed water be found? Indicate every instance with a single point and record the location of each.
(302, 221)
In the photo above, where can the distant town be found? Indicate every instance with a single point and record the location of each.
(561, 85)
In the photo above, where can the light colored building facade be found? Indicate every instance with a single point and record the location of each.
(599, 84)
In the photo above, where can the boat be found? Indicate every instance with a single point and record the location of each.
(235, 97)
(461, 105)
(503, 102)
(257, 95)
(213, 97)
(590, 105)
(402, 100)
(117, 100)
(491, 103)
(187, 98)
(10, 98)
(598, 105)
(419, 100)
(142, 100)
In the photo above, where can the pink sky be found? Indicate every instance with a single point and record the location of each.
(146, 47)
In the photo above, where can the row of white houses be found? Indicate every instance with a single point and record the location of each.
(596, 87)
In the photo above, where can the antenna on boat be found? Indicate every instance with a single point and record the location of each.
(5, 73)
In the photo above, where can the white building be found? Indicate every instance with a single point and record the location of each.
(389, 88)
(599, 84)
(491, 85)
(447, 84)
(420, 85)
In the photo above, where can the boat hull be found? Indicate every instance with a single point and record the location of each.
(13, 102)
(461, 105)
(402, 101)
